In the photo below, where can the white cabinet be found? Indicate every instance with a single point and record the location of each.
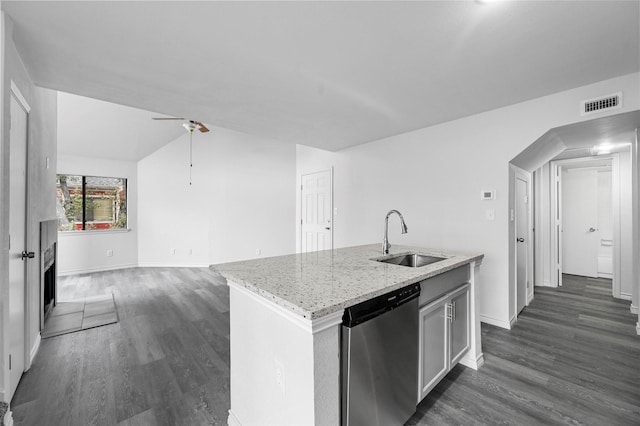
(444, 337)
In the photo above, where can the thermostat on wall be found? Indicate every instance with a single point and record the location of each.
(488, 195)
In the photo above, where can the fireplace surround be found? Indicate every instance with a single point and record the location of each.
(48, 274)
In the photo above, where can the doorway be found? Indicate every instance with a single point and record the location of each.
(587, 221)
(19, 111)
(523, 239)
(588, 195)
(316, 220)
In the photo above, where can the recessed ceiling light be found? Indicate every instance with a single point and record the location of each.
(606, 148)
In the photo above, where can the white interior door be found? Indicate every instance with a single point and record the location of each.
(17, 241)
(580, 234)
(522, 243)
(316, 218)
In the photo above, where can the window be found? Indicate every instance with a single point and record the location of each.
(91, 202)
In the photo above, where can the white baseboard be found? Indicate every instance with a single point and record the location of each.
(8, 418)
(233, 420)
(96, 269)
(473, 363)
(633, 309)
(34, 349)
(638, 328)
(493, 321)
(174, 265)
(625, 296)
(529, 298)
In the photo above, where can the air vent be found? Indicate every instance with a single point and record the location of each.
(603, 103)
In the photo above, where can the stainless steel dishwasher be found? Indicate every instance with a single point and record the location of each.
(379, 365)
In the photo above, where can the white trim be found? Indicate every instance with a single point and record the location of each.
(93, 232)
(529, 298)
(473, 363)
(633, 309)
(232, 420)
(638, 328)
(34, 350)
(99, 269)
(625, 296)
(18, 94)
(8, 418)
(493, 321)
(173, 265)
(310, 326)
(546, 283)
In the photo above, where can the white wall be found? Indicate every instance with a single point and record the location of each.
(434, 176)
(241, 200)
(86, 251)
(41, 187)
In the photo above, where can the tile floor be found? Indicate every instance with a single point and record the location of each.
(81, 314)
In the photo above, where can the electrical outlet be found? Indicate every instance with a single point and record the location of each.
(279, 373)
(109, 253)
(258, 252)
(190, 252)
(172, 252)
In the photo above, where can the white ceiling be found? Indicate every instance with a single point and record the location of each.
(324, 74)
(92, 128)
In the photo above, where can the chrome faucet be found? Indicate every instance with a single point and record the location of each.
(403, 228)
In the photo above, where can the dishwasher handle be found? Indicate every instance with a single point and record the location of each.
(370, 309)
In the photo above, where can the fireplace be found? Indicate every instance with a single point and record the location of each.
(48, 275)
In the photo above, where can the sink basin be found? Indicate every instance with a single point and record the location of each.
(412, 260)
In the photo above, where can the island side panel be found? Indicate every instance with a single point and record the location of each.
(281, 371)
(474, 357)
(326, 361)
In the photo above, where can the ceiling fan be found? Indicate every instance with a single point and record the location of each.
(190, 125)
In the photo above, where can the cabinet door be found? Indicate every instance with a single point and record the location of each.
(433, 355)
(459, 324)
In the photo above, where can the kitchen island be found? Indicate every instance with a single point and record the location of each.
(285, 316)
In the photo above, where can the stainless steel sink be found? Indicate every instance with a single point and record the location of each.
(412, 260)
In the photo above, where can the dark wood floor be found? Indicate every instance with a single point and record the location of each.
(572, 358)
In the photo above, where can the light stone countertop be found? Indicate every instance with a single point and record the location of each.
(316, 284)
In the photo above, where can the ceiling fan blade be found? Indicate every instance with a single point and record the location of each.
(202, 127)
(167, 118)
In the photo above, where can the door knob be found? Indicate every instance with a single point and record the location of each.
(592, 230)
(520, 240)
(327, 228)
(28, 255)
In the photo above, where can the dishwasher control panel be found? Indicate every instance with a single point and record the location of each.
(370, 309)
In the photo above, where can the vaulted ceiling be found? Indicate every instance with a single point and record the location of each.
(324, 74)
